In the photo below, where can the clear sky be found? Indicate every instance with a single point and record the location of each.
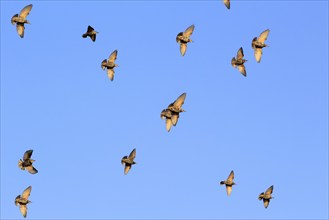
(270, 127)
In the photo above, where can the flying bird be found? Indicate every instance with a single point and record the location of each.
(171, 114)
(110, 65)
(128, 161)
(229, 183)
(183, 38)
(20, 20)
(266, 196)
(227, 3)
(22, 200)
(239, 62)
(90, 33)
(258, 44)
(27, 162)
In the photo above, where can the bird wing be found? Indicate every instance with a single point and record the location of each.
(183, 48)
(89, 29)
(242, 70)
(269, 190)
(110, 74)
(174, 118)
(260, 197)
(27, 155)
(228, 190)
(113, 56)
(263, 36)
(132, 155)
(227, 4)
(93, 37)
(258, 54)
(231, 176)
(266, 202)
(31, 169)
(27, 192)
(127, 168)
(239, 54)
(20, 29)
(23, 210)
(103, 65)
(25, 11)
(180, 100)
(168, 124)
(189, 31)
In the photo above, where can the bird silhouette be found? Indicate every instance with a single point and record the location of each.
(110, 65)
(22, 201)
(239, 62)
(20, 20)
(27, 162)
(171, 114)
(128, 161)
(90, 33)
(267, 196)
(183, 38)
(229, 183)
(258, 43)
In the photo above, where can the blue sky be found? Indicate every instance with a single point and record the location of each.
(271, 127)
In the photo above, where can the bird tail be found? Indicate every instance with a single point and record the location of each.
(222, 183)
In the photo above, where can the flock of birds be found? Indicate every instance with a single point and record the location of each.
(171, 113)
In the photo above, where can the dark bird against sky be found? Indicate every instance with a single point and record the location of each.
(239, 62)
(128, 161)
(27, 162)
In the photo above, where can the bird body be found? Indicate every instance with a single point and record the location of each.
(20, 20)
(90, 33)
(228, 183)
(27, 162)
(267, 196)
(110, 65)
(239, 62)
(128, 161)
(183, 38)
(171, 114)
(259, 43)
(22, 200)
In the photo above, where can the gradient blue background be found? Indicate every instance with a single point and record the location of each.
(271, 127)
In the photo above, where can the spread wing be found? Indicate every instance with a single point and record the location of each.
(27, 192)
(168, 124)
(269, 190)
(239, 54)
(31, 169)
(132, 155)
(113, 56)
(228, 190)
(180, 100)
(27, 155)
(93, 37)
(231, 176)
(20, 29)
(25, 11)
(127, 168)
(23, 210)
(266, 202)
(258, 54)
(242, 70)
(263, 36)
(89, 29)
(174, 118)
(189, 31)
(227, 4)
(110, 74)
(183, 48)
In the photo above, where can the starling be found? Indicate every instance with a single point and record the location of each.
(22, 201)
(258, 44)
(110, 65)
(90, 33)
(227, 3)
(128, 161)
(266, 196)
(27, 162)
(183, 38)
(171, 114)
(239, 61)
(229, 183)
(20, 20)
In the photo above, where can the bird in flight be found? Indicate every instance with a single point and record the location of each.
(110, 65)
(239, 62)
(128, 161)
(229, 183)
(267, 196)
(27, 162)
(90, 33)
(183, 38)
(258, 43)
(20, 20)
(22, 200)
(171, 114)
